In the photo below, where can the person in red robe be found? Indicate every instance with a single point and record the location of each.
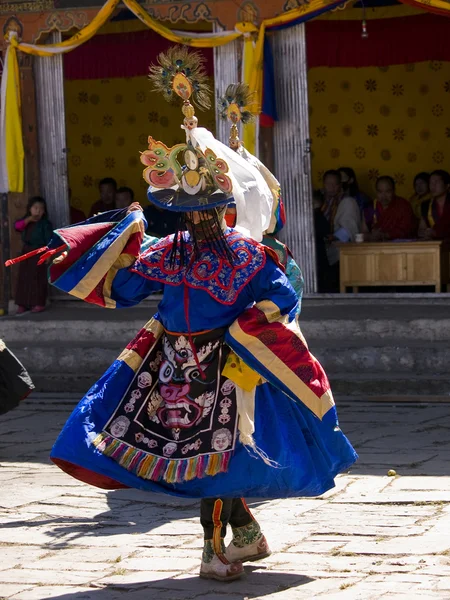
(389, 217)
(435, 222)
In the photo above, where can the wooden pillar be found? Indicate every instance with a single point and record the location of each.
(17, 203)
(292, 148)
(226, 71)
(49, 77)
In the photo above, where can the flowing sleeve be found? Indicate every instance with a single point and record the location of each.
(97, 260)
(268, 339)
(295, 277)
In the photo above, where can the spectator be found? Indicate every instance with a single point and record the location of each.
(36, 231)
(107, 188)
(322, 233)
(351, 188)
(342, 213)
(421, 192)
(435, 213)
(389, 217)
(124, 197)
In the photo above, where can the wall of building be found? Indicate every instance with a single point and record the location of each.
(392, 120)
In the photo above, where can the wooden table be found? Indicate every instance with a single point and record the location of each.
(394, 263)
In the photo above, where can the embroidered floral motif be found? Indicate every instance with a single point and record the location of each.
(249, 534)
(209, 273)
(208, 551)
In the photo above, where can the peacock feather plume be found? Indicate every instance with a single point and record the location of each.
(234, 105)
(181, 72)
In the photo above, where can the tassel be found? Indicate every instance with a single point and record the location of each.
(181, 469)
(14, 261)
(149, 466)
(213, 464)
(190, 471)
(127, 458)
(224, 462)
(145, 466)
(170, 474)
(248, 442)
(200, 468)
(158, 470)
(134, 464)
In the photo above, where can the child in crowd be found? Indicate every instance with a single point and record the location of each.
(36, 230)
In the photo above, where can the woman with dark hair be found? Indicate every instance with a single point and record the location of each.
(350, 187)
(36, 230)
(421, 192)
(389, 217)
(435, 213)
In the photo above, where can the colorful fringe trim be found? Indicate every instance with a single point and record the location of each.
(149, 466)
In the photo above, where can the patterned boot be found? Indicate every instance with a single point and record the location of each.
(248, 544)
(215, 566)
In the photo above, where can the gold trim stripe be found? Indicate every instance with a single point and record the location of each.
(319, 406)
(107, 261)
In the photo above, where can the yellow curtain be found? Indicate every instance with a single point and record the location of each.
(11, 169)
(380, 121)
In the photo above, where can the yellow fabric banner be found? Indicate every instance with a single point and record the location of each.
(249, 130)
(200, 40)
(13, 124)
(76, 40)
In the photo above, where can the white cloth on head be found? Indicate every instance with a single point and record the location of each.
(269, 178)
(252, 195)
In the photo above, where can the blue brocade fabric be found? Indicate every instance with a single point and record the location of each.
(310, 452)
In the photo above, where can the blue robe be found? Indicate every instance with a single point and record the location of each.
(251, 310)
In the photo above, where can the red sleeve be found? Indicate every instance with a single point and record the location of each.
(404, 225)
(442, 228)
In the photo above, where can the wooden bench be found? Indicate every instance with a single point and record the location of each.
(394, 263)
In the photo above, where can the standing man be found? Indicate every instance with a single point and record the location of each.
(107, 188)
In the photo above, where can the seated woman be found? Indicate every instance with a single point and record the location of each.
(435, 221)
(389, 217)
(351, 188)
(421, 192)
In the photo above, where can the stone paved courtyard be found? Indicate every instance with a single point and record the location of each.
(373, 536)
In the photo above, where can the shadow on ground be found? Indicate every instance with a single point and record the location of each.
(257, 583)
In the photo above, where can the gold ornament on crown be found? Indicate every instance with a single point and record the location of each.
(181, 73)
(234, 107)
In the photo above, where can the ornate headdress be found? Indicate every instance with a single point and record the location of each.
(234, 107)
(185, 177)
(203, 173)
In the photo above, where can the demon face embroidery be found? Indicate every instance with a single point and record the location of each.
(185, 384)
